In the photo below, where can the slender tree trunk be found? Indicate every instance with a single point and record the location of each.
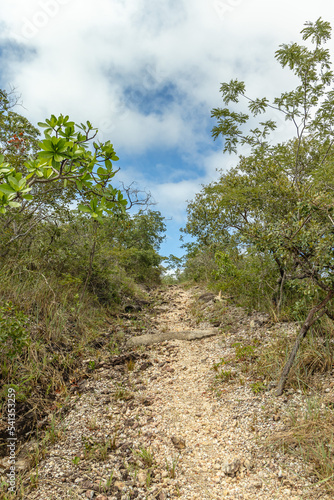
(280, 298)
(278, 294)
(303, 331)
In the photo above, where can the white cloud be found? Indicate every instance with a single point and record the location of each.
(172, 198)
(87, 54)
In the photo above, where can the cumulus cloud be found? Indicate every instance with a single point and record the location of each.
(88, 53)
(148, 73)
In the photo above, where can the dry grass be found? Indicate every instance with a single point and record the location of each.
(62, 332)
(309, 430)
(310, 436)
(315, 356)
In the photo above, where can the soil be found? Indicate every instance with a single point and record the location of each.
(156, 422)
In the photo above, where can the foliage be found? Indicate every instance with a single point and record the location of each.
(18, 137)
(277, 203)
(243, 352)
(13, 331)
(64, 157)
(65, 272)
(199, 263)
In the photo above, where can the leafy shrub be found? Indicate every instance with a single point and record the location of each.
(14, 335)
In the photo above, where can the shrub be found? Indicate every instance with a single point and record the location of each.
(14, 334)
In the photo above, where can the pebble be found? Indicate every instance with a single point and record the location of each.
(211, 440)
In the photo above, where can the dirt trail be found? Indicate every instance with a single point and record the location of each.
(158, 424)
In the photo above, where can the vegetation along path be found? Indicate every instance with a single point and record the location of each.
(178, 418)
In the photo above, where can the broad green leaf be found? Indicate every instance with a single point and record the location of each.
(102, 172)
(84, 208)
(7, 189)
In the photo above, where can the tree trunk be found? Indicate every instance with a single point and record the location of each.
(280, 298)
(303, 331)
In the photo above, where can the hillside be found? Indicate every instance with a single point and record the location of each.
(189, 419)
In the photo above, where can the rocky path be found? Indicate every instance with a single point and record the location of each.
(155, 425)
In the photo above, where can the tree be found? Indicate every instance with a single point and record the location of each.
(64, 158)
(279, 199)
(137, 240)
(38, 178)
(18, 137)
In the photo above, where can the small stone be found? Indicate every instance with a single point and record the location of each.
(247, 463)
(22, 464)
(141, 477)
(178, 442)
(119, 485)
(257, 484)
(90, 494)
(232, 468)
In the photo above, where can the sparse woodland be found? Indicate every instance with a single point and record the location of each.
(79, 258)
(265, 230)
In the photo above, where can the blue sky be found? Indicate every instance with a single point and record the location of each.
(147, 74)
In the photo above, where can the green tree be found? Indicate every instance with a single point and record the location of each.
(18, 137)
(279, 199)
(41, 179)
(137, 241)
(64, 157)
(38, 178)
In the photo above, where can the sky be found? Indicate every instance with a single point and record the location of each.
(147, 74)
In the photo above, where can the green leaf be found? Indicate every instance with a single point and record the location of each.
(5, 170)
(108, 164)
(102, 172)
(13, 182)
(48, 172)
(84, 208)
(7, 189)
